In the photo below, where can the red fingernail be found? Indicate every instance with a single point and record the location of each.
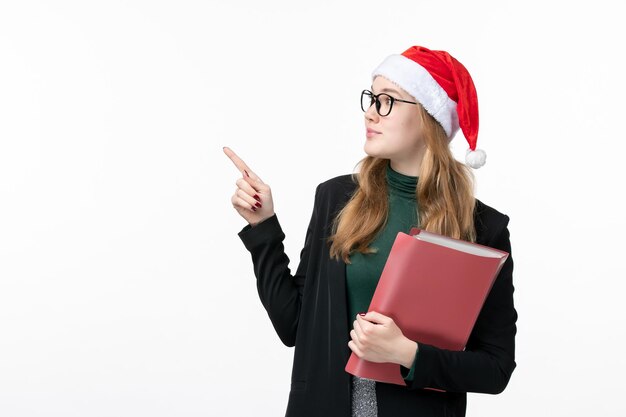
(362, 313)
(257, 198)
(247, 175)
(253, 208)
(258, 205)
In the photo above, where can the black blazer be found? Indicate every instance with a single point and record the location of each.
(309, 311)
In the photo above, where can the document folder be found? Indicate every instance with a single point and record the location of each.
(433, 287)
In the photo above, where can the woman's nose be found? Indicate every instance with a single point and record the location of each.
(371, 113)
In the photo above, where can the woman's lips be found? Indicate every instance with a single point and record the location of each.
(371, 133)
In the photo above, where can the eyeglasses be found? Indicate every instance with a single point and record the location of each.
(384, 102)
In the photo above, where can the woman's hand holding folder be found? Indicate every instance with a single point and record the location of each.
(377, 338)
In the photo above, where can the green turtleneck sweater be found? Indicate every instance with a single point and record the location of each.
(363, 272)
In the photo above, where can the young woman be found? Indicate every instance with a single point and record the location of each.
(418, 101)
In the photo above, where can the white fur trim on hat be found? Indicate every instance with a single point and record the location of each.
(418, 82)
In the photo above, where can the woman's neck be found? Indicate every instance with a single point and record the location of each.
(409, 168)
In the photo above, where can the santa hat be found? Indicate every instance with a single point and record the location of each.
(442, 85)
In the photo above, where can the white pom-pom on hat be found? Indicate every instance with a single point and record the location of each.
(476, 158)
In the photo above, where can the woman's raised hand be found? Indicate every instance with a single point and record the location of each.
(252, 198)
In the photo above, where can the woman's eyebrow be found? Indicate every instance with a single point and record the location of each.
(386, 89)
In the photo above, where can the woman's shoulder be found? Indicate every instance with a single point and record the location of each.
(341, 181)
(334, 192)
(339, 185)
(488, 221)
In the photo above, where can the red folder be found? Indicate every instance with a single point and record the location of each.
(434, 287)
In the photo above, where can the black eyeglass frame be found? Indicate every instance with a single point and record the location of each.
(377, 101)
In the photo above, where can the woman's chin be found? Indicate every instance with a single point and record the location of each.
(371, 150)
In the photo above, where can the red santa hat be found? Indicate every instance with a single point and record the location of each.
(442, 85)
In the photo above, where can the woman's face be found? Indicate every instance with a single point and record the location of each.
(400, 137)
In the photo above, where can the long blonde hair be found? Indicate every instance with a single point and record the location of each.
(444, 193)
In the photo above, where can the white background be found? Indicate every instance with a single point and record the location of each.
(124, 288)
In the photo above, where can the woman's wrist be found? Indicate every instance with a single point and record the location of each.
(409, 352)
(260, 221)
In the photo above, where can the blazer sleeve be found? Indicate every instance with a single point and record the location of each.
(279, 291)
(407, 373)
(486, 364)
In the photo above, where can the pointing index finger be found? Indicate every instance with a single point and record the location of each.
(241, 166)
